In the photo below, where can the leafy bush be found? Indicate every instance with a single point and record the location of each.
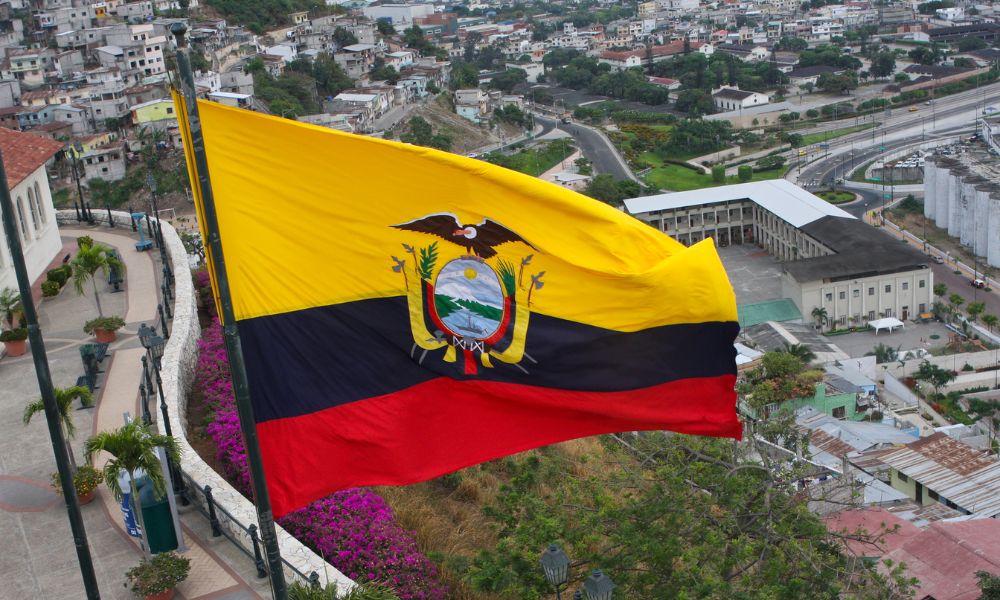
(299, 591)
(50, 288)
(161, 573)
(353, 529)
(745, 173)
(112, 323)
(60, 275)
(85, 480)
(84, 241)
(719, 174)
(14, 335)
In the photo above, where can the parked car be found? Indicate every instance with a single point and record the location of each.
(938, 259)
(978, 283)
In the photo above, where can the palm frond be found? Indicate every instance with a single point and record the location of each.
(507, 276)
(428, 259)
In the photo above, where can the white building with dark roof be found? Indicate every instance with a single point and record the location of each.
(731, 98)
(830, 259)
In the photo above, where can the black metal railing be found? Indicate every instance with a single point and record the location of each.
(211, 510)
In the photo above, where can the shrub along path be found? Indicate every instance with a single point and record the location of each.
(39, 559)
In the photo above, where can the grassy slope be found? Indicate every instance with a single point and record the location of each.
(676, 178)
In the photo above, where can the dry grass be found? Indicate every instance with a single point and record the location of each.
(446, 514)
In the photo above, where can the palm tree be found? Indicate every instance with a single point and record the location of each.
(883, 353)
(9, 299)
(975, 309)
(956, 301)
(86, 264)
(64, 402)
(819, 313)
(133, 448)
(801, 352)
(990, 321)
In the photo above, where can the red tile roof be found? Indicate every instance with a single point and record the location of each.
(888, 531)
(946, 556)
(23, 153)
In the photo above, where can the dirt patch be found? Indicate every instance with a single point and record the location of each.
(466, 137)
(925, 228)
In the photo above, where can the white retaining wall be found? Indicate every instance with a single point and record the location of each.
(179, 360)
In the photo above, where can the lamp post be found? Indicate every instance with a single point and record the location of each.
(77, 149)
(155, 345)
(555, 564)
(597, 586)
(158, 234)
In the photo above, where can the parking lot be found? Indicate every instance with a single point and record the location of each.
(755, 275)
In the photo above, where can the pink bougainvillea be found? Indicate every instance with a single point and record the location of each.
(353, 529)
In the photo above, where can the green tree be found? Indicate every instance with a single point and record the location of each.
(940, 289)
(820, 315)
(343, 37)
(974, 309)
(86, 265)
(990, 321)
(933, 375)
(884, 64)
(132, 448)
(745, 173)
(989, 585)
(64, 405)
(670, 516)
(956, 301)
(968, 44)
(800, 351)
(385, 73)
(883, 353)
(837, 83)
(508, 80)
(926, 55)
(9, 301)
(719, 173)
(385, 27)
(694, 102)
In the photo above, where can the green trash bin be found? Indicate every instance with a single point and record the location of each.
(160, 534)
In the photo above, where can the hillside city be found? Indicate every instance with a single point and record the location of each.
(841, 156)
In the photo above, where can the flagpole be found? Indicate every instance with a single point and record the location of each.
(44, 377)
(241, 389)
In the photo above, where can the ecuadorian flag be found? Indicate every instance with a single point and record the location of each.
(405, 312)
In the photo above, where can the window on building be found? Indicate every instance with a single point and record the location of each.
(921, 284)
(871, 291)
(33, 209)
(856, 294)
(840, 412)
(20, 218)
(40, 204)
(871, 315)
(906, 285)
(888, 289)
(902, 477)
(842, 295)
(829, 297)
(922, 308)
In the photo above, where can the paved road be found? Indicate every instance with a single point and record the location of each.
(597, 148)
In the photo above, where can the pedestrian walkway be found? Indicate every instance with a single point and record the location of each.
(39, 558)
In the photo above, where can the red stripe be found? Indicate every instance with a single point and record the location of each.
(443, 425)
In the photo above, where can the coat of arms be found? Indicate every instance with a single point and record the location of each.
(475, 303)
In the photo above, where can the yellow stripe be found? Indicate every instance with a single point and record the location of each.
(180, 109)
(305, 216)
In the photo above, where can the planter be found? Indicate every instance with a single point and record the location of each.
(86, 499)
(105, 336)
(164, 595)
(16, 348)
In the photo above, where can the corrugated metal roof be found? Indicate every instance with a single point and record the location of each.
(783, 198)
(946, 556)
(954, 470)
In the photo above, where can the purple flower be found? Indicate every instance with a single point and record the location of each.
(353, 529)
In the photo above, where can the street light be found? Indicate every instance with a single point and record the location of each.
(555, 564)
(158, 234)
(598, 587)
(77, 150)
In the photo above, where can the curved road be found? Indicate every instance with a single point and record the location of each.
(595, 146)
